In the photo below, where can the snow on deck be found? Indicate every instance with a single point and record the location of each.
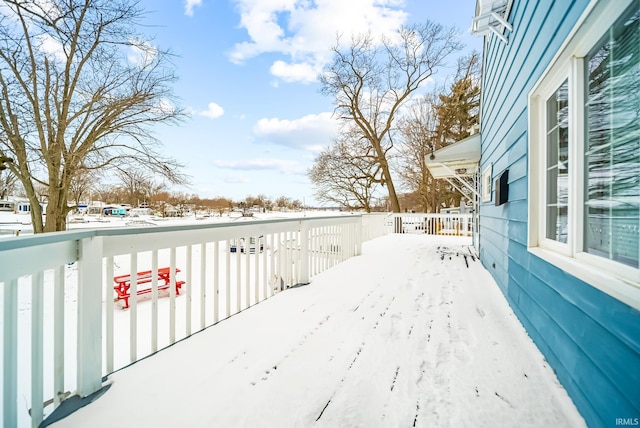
(395, 337)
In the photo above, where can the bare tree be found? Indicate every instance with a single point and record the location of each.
(220, 205)
(282, 202)
(137, 186)
(371, 81)
(346, 173)
(418, 132)
(296, 204)
(436, 120)
(81, 185)
(79, 90)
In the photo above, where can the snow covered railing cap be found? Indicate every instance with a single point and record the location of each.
(491, 17)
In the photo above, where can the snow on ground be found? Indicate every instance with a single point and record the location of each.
(10, 222)
(395, 337)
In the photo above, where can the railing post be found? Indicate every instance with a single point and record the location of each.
(358, 243)
(304, 252)
(89, 315)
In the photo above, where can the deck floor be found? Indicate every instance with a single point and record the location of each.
(395, 337)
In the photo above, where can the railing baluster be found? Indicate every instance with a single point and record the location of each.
(37, 337)
(264, 266)
(318, 250)
(304, 253)
(203, 293)
(333, 237)
(172, 295)
(276, 272)
(238, 274)
(256, 274)
(10, 354)
(109, 328)
(228, 279)
(58, 334)
(133, 308)
(216, 279)
(247, 271)
(291, 247)
(188, 292)
(325, 247)
(154, 301)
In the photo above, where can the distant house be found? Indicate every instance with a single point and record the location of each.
(170, 211)
(95, 208)
(559, 212)
(114, 210)
(25, 207)
(136, 212)
(7, 206)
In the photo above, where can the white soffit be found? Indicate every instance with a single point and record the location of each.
(460, 159)
(491, 17)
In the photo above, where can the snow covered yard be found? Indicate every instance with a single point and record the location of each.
(396, 337)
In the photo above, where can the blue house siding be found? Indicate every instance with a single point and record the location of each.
(589, 338)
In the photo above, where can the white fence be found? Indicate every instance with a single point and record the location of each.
(62, 330)
(430, 224)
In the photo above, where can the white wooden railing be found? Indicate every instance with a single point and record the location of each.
(430, 224)
(63, 331)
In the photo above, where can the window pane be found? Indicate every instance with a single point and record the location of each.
(558, 164)
(612, 156)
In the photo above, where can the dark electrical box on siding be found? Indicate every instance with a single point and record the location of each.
(502, 188)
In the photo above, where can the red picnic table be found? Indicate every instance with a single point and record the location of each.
(123, 283)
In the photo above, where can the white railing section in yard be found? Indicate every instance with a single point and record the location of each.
(63, 331)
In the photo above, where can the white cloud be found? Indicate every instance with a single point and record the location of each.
(309, 132)
(284, 166)
(189, 5)
(235, 178)
(51, 47)
(164, 106)
(213, 111)
(304, 72)
(304, 30)
(48, 7)
(141, 52)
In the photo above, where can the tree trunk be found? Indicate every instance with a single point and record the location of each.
(50, 223)
(393, 197)
(35, 210)
(36, 213)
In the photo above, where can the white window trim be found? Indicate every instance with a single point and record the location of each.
(615, 279)
(486, 183)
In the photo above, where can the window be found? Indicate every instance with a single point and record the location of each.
(557, 166)
(486, 184)
(584, 146)
(612, 156)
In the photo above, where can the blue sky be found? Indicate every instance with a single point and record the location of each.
(247, 73)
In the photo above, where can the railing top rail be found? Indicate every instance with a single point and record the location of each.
(430, 214)
(59, 237)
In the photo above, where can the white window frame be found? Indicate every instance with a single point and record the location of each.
(616, 279)
(486, 183)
